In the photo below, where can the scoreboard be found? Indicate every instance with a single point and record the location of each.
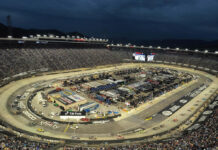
(139, 56)
(150, 57)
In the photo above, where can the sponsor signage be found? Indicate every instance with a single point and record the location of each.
(72, 113)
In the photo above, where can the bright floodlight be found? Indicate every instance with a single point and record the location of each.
(196, 50)
(206, 51)
(177, 48)
(158, 47)
(186, 49)
(150, 46)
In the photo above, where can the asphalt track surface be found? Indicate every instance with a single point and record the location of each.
(132, 122)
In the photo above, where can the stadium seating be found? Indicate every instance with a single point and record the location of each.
(9, 142)
(14, 61)
(207, 62)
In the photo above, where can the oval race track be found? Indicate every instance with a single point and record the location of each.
(128, 123)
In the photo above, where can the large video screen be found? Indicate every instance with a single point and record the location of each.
(150, 57)
(139, 56)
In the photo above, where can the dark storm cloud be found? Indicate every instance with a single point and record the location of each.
(140, 19)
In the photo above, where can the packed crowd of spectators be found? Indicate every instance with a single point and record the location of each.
(202, 61)
(10, 142)
(15, 61)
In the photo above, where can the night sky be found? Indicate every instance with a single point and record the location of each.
(118, 19)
